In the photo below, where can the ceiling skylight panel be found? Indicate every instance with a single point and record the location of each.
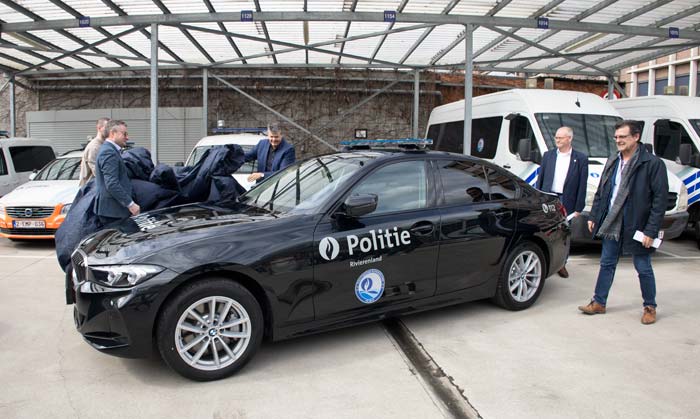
(56, 39)
(317, 57)
(138, 7)
(44, 8)
(474, 7)
(9, 15)
(216, 45)
(426, 6)
(174, 39)
(438, 39)
(232, 5)
(185, 6)
(286, 31)
(397, 44)
(292, 57)
(365, 46)
(537, 65)
(285, 5)
(79, 64)
(92, 8)
(667, 10)
(455, 56)
(325, 31)
(11, 64)
(21, 55)
(686, 22)
(325, 6)
(377, 5)
(246, 46)
(617, 10)
(521, 8)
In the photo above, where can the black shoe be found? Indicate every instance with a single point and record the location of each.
(563, 272)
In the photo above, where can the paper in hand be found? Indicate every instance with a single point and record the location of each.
(639, 236)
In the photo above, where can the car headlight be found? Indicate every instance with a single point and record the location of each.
(65, 208)
(683, 198)
(124, 275)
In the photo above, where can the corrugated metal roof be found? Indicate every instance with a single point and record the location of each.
(526, 47)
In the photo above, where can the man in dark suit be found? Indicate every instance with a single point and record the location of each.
(272, 153)
(564, 171)
(113, 187)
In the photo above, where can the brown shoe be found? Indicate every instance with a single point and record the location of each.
(563, 272)
(649, 315)
(593, 308)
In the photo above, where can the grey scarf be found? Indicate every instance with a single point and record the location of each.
(612, 224)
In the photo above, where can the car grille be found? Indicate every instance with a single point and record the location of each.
(78, 260)
(29, 212)
(29, 231)
(671, 204)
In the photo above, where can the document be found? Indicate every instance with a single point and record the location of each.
(639, 236)
(570, 216)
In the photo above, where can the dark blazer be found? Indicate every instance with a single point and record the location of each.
(284, 156)
(113, 186)
(574, 193)
(646, 202)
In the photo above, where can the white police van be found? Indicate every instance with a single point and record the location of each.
(672, 127)
(515, 127)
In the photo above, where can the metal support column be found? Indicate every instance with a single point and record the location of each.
(154, 93)
(468, 83)
(205, 102)
(12, 107)
(611, 89)
(416, 103)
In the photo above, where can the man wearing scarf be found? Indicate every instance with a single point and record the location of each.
(631, 197)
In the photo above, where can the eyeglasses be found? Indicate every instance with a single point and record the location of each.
(562, 138)
(621, 137)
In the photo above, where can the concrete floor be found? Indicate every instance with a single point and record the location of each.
(546, 362)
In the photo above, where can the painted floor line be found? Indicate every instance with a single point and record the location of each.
(671, 258)
(26, 257)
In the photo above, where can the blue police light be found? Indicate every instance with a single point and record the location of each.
(383, 143)
(253, 130)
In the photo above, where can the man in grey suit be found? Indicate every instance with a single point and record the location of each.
(87, 164)
(113, 202)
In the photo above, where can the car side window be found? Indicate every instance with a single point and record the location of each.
(28, 158)
(462, 182)
(668, 137)
(399, 186)
(520, 128)
(501, 186)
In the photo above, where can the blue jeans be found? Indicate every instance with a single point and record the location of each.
(609, 257)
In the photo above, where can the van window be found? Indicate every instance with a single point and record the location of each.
(462, 182)
(29, 158)
(520, 128)
(668, 137)
(485, 132)
(696, 125)
(448, 136)
(3, 165)
(592, 133)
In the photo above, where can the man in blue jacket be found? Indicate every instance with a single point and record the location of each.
(627, 213)
(113, 187)
(272, 153)
(564, 171)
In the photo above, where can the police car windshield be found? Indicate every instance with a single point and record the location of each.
(302, 188)
(61, 169)
(592, 133)
(696, 125)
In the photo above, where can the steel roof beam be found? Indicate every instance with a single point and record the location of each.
(620, 20)
(647, 57)
(344, 17)
(292, 47)
(74, 52)
(15, 59)
(166, 12)
(549, 50)
(347, 29)
(102, 31)
(379, 45)
(265, 32)
(32, 53)
(211, 9)
(118, 10)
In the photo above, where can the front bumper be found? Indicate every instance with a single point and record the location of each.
(118, 321)
(51, 224)
(673, 226)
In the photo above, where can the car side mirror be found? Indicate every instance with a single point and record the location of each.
(524, 149)
(179, 164)
(32, 175)
(359, 205)
(684, 154)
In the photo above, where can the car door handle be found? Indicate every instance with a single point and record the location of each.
(506, 166)
(423, 228)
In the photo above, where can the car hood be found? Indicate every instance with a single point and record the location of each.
(42, 193)
(157, 231)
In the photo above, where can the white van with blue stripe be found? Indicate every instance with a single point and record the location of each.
(672, 127)
(511, 123)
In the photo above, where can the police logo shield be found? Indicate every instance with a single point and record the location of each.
(329, 248)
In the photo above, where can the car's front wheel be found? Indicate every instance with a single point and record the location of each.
(210, 329)
(522, 277)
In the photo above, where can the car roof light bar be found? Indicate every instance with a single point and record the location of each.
(408, 143)
(253, 130)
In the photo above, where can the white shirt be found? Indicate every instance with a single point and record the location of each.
(618, 180)
(560, 171)
(119, 149)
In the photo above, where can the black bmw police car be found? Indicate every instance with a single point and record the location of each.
(330, 241)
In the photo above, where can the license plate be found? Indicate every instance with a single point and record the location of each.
(28, 224)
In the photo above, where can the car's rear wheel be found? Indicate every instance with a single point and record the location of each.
(210, 329)
(522, 277)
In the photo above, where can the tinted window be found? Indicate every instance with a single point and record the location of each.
(659, 86)
(520, 128)
(3, 165)
(592, 133)
(643, 89)
(61, 169)
(462, 182)
(29, 158)
(500, 185)
(682, 81)
(668, 137)
(448, 136)
(399, 186)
